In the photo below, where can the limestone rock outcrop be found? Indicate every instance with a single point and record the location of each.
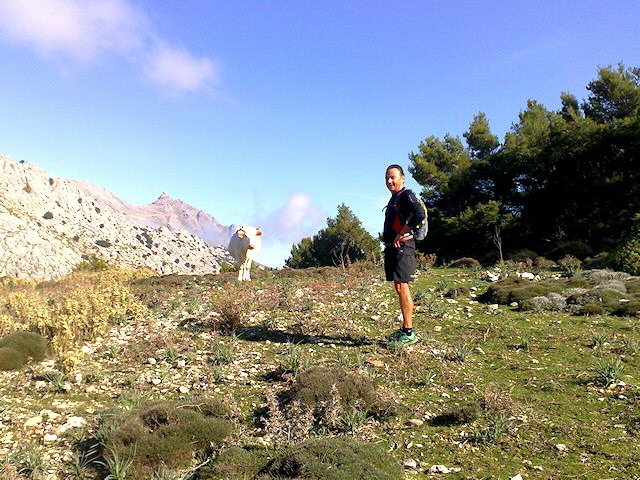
(49, 224)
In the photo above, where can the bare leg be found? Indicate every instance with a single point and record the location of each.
(406, 303)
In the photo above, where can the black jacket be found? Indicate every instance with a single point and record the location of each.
(402, 206)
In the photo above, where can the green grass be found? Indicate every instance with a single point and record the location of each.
(495, 391)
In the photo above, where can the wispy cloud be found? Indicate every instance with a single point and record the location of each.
(179, 70)
(83, 31)
(296, 219)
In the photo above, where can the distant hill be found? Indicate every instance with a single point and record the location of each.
(49, 224)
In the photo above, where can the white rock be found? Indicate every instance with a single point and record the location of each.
(493, 306)
(414, 422)
(156, 381)
(517, 477)
(439, 469)
(183, 389)
(410, 463)
(50, 437)
(561, 447)
(151, 361)
(528, 275)
(182, 363)
(33, 421)
(513, 304)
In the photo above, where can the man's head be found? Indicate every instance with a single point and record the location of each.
(394, 178)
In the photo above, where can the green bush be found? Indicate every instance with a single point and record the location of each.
(627, 257)
(237, 463)
(313, 387)
(18, 348)
(578, 249)
(570, 264)
(166, 434)
(465, 262)
(91, 264)
(334, 459)
(226, 267)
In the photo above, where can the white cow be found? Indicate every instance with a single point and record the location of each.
(244, 246)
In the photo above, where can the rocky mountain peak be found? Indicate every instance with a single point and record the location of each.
(49, 224)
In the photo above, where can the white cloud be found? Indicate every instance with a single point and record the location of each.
(296, 219)
(178, 69)
(86, 30)
(288, 224)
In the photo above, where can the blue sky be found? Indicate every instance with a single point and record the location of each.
(275, 112)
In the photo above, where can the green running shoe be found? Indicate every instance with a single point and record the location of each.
(403, 339)
(394, 335)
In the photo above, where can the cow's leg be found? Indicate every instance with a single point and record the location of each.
(247, 272)
(240, 271)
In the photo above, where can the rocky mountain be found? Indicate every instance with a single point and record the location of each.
(49, 224)
(164, 212)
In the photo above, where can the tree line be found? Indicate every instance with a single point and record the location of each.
(560, 179)
(564, 181)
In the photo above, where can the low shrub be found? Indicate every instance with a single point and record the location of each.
(570, 264)
(237, 462)
(523, 256)
(578, 249)
(465, 262)
(334, 459)
(313, 387)
(425, 261)
(627, 257)
(466, 413)
(166, 434)
(91, 264)
(18, 348)
(542, 263)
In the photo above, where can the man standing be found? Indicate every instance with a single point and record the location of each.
(403, 214)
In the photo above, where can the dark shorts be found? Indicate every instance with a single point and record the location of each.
(400, 263)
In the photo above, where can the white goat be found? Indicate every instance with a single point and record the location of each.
(244, 246)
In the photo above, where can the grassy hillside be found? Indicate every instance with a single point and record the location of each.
(201, 377)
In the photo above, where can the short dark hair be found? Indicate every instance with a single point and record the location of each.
(395, 166)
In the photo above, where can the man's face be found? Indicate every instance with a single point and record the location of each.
(395, 180)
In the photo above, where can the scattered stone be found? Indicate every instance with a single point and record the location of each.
(410, 463)
(493, 307)
(414, 422)
(513, 304)
(479, 350)
(439, 469)
(183, 389)
(33, 421)
(517, 477)
(182, 363)
(376, 363)
(561, 447)
(50, 437)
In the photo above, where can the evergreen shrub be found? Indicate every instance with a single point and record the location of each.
(465, 262)
(313, 387)
(166, 434)
(16, 349)
(627, 257)
(334, 459)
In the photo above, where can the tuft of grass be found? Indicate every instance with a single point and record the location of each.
(221, 354)
(491, 432)
(459, 353)
(56, 379)
(609, 371)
